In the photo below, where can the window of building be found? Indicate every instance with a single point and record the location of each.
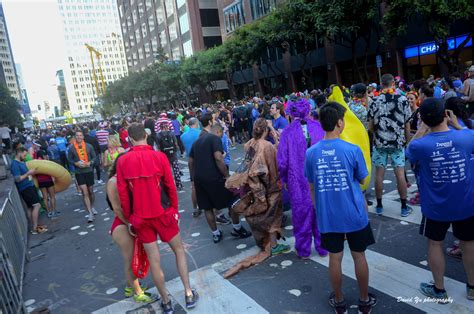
(209, 17)
(154, 44)
(144, 30)
(234, 16)
(138, 35)
(180, 3)
(151, 23)
(169, 8)
(173, 31)
(261, 8)
(176, 55)
(160, 13)
(188, 48)
(184, 23)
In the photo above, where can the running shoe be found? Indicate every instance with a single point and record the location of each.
(94, 211)
(222, 219)
(365, 307)
(50, 214)
(406, 211)
(280, 248)
(57, 213)
(90, 218)
(197, 212)
(241, 233)
(191, 300)
(428, 289)
(100, 182)
(167, 308)
(469, 293)
(339, 307)
(379, 210)
(217, 238)
(143, 298)
(129, 292)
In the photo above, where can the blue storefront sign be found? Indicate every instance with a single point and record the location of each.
(431, 47)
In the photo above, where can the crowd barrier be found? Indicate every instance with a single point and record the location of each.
(13, 249)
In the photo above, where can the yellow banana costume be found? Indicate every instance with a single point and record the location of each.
(354, 131)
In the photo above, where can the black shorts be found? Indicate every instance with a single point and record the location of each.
(212, 195)
(30, 196)
(85, 178)
(436, 230)
(47, 184)
(358, 240)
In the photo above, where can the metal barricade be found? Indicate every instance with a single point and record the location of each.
(13, 246)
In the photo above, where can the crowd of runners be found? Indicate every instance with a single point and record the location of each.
(294, 158)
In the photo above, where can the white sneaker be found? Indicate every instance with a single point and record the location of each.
(100, 182)
(94, 211)
(90, 218)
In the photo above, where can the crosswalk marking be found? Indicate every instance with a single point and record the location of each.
(388, 275)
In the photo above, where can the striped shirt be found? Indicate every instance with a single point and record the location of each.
(163, 120)
(102, 137)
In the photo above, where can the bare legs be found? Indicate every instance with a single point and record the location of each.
(125, 242)
(88, 196)
(361, 270)
(181, 262)
(49, 197)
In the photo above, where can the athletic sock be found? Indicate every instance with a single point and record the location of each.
(379, 202)
(404, 203)
(237, 226)
(439, 290)
(216, 232)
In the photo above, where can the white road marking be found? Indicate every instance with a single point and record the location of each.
(29, 302)
(111, 290)
(290, 227)
(295, 292)
(387, 181)
(196, 234)
(75, 227)
(241, 246)
(286, 263)
(83, 233)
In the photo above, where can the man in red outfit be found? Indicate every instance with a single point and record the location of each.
(150, 203)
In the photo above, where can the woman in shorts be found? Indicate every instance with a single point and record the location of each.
(123, 238)
(46, 186)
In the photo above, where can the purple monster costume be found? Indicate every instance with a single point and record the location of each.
(291, 156)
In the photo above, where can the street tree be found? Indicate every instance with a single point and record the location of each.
(9, 109)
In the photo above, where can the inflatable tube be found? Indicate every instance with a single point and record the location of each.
(62, 178)
(354, 132)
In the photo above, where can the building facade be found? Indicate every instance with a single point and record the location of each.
(24, 103)
(94, 49)
(62, 92)
(167, 29)
(8, 75)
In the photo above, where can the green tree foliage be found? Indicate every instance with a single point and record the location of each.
(9, 109)
(439, 15)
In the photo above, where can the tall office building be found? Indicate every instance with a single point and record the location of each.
(8, 74)
(94, 23)
(62, 92)
(179, 28)
(25, 103)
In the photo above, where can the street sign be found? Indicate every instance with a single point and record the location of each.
(378, 60)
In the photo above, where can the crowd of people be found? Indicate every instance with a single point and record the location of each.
(294, 158)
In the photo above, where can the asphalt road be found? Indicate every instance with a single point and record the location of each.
(76, 268)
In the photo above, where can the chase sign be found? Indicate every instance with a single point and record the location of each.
(432, 47)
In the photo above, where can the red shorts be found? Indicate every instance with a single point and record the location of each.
(117, 222)
(165, 226)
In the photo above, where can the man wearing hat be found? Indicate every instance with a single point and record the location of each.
(442, 160)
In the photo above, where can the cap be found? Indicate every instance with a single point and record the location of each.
(431, 108)
(163, 115)
(359, 88)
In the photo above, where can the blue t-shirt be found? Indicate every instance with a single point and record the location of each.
(280, 123)
(61, 143)
(18, 169)
(336, 168)
(225, 145)
(176, 127)
(445, 168)
(188, 138)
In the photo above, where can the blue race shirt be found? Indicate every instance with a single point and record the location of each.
(188, 138)
(280, 123)
(61, 143)
(225, 145)
(445, 170)
(336, 168)
(18, 169)
(176, 127)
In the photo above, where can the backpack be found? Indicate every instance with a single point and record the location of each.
(167, 144)
(241, 113)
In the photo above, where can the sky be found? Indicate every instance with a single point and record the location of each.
(36, 36)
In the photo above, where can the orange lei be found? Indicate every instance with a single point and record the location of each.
(390, 91)
(81, 151)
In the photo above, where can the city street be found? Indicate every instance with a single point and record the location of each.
(76, 268)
